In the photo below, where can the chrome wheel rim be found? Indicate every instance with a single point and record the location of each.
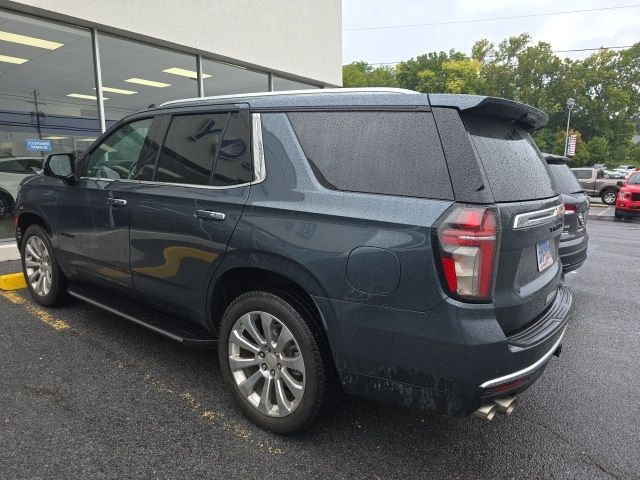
(266, 364)
(609, 198)
(37, 262)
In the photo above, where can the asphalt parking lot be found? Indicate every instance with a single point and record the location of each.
(88, 395)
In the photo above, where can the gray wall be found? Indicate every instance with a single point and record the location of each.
(298, 38)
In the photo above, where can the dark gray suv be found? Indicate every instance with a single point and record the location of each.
(374, 241)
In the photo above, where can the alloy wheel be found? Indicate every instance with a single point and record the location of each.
(609, 198)
(267, 364)
(37, 263)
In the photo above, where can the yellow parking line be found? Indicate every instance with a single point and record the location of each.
(12, 281)
(209, 415)
(41, 314)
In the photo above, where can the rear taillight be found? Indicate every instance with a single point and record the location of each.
(467, 238)
(569, 209)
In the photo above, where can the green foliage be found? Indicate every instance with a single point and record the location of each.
(605, 85)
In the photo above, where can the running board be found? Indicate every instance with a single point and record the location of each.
(173, 328)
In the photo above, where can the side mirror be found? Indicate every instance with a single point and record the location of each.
(619, 183)
(59, 165)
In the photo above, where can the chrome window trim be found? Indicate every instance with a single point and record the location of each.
(525, 371)
(257, 151)
(531, 219)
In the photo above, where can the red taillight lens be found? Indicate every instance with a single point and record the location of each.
(569, 209)
(468, 242)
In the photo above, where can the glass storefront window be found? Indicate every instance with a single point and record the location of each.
(223, 79)
(136, 75)
(280, 84)
(47, 99)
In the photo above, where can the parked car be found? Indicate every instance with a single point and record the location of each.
(12, 171)
(628, 201)
(613, 174)
(595, 184)
(574, 238)
(601, 166)
(368, 239)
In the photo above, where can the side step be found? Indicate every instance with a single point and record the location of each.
(173, 328)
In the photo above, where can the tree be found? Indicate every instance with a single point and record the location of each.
(599, 151)
(361, 74)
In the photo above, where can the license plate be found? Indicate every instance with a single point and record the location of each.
(545, 257)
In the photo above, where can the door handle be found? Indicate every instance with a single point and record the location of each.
(116, 202)
(209, 215)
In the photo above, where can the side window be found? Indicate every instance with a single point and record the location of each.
(118, 156)
(190, 148)
(600, 174)
(234, 165)
(582, 174)
(393, 153)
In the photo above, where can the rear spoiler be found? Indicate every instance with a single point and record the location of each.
(530, 118)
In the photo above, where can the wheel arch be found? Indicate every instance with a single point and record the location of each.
(27, 218)
(241, 273)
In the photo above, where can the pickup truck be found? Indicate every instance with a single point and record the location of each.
(597, 184)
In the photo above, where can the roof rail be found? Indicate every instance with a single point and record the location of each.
(318, 91)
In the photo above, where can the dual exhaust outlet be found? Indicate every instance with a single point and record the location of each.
(505, 406)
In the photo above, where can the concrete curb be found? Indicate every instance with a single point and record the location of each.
(12, 281)
(9, 251)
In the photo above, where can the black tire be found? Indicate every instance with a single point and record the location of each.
(57, 293)
(318, 376)
(608, 197)
(618, 215)
(5, 206)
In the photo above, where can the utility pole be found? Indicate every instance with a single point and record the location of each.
(570, 104)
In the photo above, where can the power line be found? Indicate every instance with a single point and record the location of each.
(476, 20)
(554, 51)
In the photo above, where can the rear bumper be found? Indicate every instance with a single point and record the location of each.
(573, 252)
(451, 360)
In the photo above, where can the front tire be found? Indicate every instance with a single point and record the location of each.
(45, 281)
(272, 358)
(609, 197)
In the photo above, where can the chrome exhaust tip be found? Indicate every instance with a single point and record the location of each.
(506, 405)
(486, 412)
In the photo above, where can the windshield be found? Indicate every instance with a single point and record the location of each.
(634, 179)
(565, 180)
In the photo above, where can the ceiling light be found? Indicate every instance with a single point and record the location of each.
(31, 41)
(86, 140)
(16, 60)
(121, 91)
(148, 83)
(184, 73)
(54, 137)
(85, 97)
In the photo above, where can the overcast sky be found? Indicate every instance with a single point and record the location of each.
(563, 32)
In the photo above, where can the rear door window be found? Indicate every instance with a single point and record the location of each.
(565, 180)
(514, 167)
(393, 153)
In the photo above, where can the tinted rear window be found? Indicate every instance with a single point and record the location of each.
(393, 153)
(565, 180)
(514, 166)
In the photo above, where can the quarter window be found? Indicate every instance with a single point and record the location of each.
(583, 174)
(120, 154)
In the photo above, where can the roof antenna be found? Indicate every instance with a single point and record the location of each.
(153, 105)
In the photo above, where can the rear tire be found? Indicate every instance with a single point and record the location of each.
(45, 281)
(5, 206)
(271, 356)
(609, 197)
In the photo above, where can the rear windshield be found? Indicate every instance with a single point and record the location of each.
(392, 153)
(514, 166)
(565, 179)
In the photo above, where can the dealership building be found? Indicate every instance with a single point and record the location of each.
(71, 68)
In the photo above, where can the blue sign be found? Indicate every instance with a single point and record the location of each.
(39, 145)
